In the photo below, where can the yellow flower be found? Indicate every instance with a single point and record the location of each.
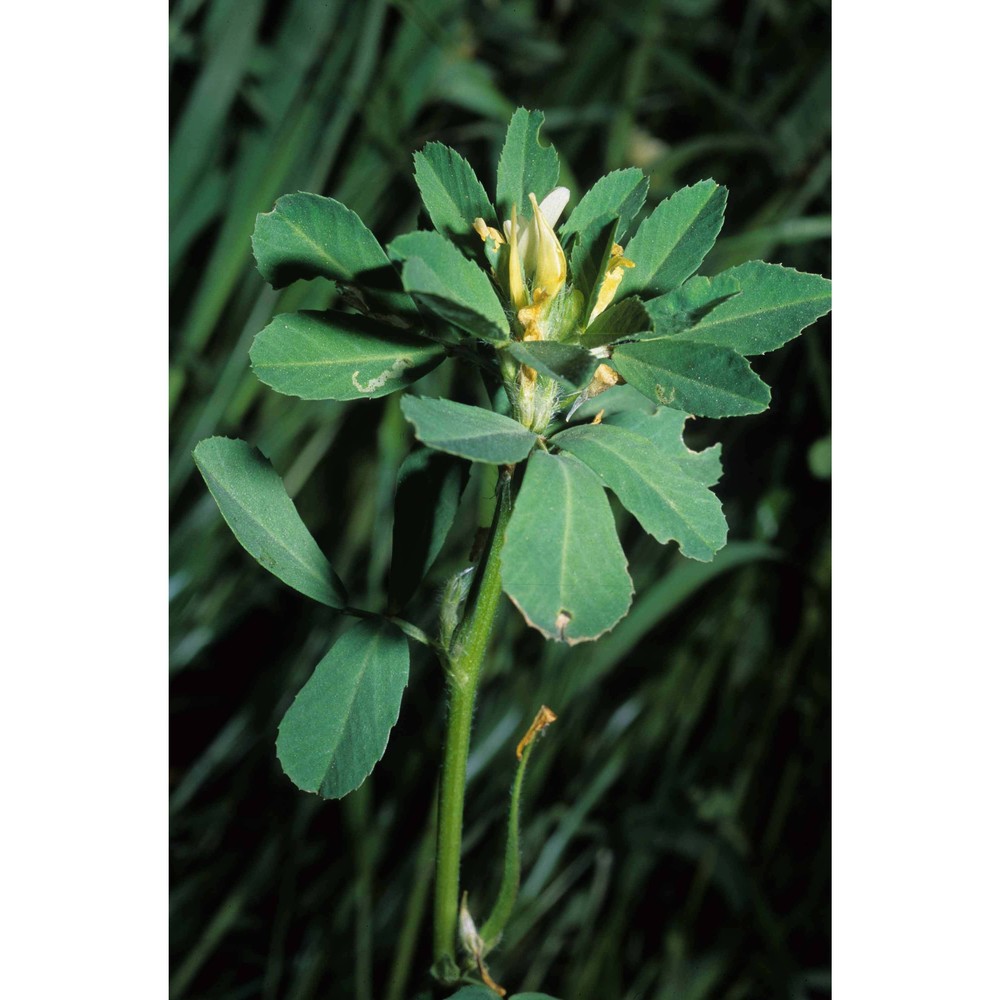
(612, 279)
(536, 264)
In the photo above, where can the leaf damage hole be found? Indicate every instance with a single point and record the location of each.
(562, 620)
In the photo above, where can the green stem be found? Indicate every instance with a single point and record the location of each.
(495, 923)
(464, 662)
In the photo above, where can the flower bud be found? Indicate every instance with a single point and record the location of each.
(549, 260)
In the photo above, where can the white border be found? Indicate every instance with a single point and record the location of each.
(83, 659)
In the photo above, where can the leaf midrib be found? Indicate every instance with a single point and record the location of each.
(623, 459)
(270, 534)
(680, 236)
(688, 381)
(710, 322)
(373, 643)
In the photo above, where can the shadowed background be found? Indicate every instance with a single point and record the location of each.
(676, 817)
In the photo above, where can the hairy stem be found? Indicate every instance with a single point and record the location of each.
(464, 662)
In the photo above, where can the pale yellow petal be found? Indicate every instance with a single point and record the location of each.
(550, 261)
(518, 293)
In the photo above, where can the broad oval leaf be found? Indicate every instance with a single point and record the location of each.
(308, 236)
(428, 490)
(654, 487)
(337, 729)
(562, 563)
(702, 379)
(263, 518)
(670, 245)
(526, 166)
(664, 427)
(618, 195)
(331, 355)
(568, 364)
(452, 194)
(468, 431)
(776, 304)
(453, 287)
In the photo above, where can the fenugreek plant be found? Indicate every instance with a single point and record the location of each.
(548, 317)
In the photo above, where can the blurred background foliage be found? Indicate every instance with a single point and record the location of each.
(676, 839)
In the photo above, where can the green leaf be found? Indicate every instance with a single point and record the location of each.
(308, 236)
(618, 195)
(625, 319)
(562, 563)
(566, 363)
(664, 427)
(526, 167)
(263, 518)
(452, 194)
(654, 487)
(702, 379)
(331, 355)
(684, 307)
(468, 431)
(776, 304)
(453, 287)
(670, 245)
(589, 262)
(337, 729)
(428, 490)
